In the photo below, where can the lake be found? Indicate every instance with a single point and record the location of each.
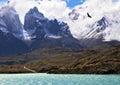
(58, 79)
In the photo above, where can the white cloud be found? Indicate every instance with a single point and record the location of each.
(50, 8)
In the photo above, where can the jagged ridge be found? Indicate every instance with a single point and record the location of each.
(37, 32)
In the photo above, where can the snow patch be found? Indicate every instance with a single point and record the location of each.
(97, 9)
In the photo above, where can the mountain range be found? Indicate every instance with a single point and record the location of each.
(37, 32)
(40, 32)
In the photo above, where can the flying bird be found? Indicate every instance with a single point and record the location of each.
(89, 15)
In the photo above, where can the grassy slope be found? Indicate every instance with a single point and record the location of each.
(59, 60)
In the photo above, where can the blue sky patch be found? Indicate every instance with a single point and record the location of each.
(73, 3)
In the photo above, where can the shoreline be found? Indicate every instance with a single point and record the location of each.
(62, 73)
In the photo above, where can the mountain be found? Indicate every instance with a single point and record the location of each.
(94, 24)
(93, 28)
(39, 26)
(9, 45)
(34, 23)
(11, 34)
(37, 32)
(10, 20)
(40, 32)
(48, 33)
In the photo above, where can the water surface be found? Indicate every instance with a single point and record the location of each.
(58, 79)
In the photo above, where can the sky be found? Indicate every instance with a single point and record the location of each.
(59, 9)
(54, 7)
(70, 3)
(73, 3)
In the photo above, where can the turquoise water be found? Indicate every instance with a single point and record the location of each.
(53, 79)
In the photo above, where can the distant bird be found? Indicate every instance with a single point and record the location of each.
(88, 15)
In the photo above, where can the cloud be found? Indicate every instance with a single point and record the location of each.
(50, 8)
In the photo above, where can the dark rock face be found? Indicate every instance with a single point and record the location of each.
(58, 28)
(103, 23)
(11, 45)
(38, 26)
(34, 23)
(48, 33)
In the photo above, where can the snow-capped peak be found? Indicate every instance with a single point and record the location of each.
(95, 19)
(38, 26)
